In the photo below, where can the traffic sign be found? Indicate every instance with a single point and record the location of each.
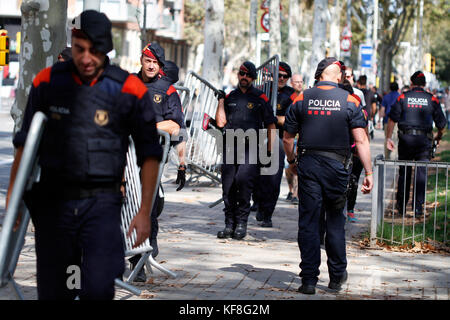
(265, 4)
(265, 21)
(346, 44)
(346, 32)
(366, 55)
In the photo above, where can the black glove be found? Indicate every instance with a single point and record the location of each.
(181, 177)
(220, 94)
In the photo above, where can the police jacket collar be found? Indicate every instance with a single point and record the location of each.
(154, 79)
(417, 89)
(249, 89)
(327, 83)
(106, 68)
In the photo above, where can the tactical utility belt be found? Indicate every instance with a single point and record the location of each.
(81, 192)
(416, 132)
(345, 160)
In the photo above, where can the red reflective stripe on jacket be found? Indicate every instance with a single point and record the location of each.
(171, 90)
(42, 76)
(264, 97)
(134, 86)
(351, 98)
(299, 98)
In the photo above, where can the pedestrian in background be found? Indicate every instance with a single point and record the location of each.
(386, 104)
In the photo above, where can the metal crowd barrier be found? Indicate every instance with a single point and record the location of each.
(132, 205)
(267, 76)
(400, 228)
(11, 242)
(202, 153)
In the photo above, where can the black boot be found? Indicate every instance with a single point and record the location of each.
(259, 216)
(240, 232)
(225, 233)
(267, 223)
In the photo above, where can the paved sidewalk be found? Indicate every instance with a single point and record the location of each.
(265, 265)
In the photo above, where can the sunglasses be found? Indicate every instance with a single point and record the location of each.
(284, 76)
(243, 73)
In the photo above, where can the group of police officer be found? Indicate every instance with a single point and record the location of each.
(93, 107)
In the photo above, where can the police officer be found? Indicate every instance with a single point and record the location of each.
(325, 117)
(414, 111)
(166, 103)
(244, 108)
(92, 108)
(268, 188)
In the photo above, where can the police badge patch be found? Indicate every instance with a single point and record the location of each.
(250, 105)
(157, 98)
(278, 106)
(101, 117)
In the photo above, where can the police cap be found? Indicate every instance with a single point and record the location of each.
(154, 51)
(66, 54)
(97, 27)
(170, 71)
(325, 63)
(283, 66)
(250, 68)
(418, 79)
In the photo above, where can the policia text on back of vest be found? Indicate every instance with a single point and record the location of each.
(4, 48)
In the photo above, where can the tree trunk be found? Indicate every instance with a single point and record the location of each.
(385, 66)
(43, 37)
(91, 5)
(335, 48)
(214, 41)
(274, 31)
(293, 52)
(252, 28)
(318, 37)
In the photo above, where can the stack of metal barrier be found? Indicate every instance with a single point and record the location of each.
(132, 205)
(203, 152)
(267, 76)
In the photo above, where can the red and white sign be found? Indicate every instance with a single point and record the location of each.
(346, 44)
(265, 21)
(265, 4)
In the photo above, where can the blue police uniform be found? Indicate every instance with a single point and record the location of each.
(76, 206)
(415, 112)
(249, 110)
(166, 104)
(323, 116)
(268, 190)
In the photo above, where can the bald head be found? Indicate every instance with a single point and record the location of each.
(331, 73)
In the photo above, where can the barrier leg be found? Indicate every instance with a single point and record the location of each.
(128, 287)
(212, 205)
(161, 268)
(138, 266)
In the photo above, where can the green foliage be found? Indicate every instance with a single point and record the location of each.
(194, 18)
(438, 29)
